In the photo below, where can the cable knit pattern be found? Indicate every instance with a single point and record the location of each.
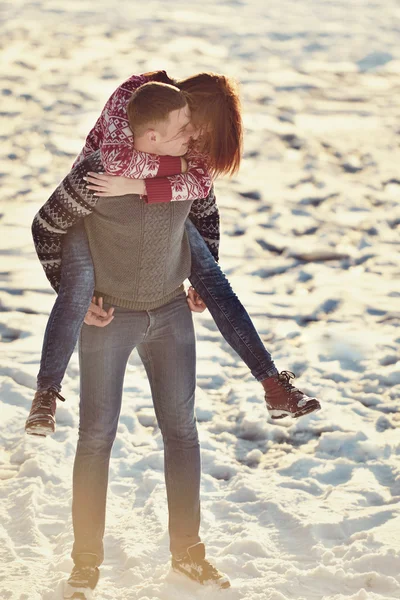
(141, 252)
(72, 201)
(113, 136)
(157, 227)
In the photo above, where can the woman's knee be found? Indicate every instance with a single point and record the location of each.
(77, 283)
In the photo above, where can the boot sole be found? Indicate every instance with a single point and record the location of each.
(224, 583)
(39, 430)
(310, 407)
(73, 593)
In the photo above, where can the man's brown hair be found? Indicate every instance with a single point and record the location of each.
(151, 104)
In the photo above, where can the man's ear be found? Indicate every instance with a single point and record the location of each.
(152, 136)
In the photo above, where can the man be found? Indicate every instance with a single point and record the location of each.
(141, 257)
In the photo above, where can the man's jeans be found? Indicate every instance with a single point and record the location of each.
(77, 285)
(165, 340)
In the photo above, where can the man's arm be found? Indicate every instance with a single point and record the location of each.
(204, 215)
(69, 203)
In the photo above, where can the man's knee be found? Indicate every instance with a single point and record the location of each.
(95, 443)
(184, 435)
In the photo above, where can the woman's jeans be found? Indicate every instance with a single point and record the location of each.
(165, 341)
(76, 291)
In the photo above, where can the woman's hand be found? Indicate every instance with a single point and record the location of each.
(194, 301)
(110, 185)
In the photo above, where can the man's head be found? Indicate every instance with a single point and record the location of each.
(159, 117)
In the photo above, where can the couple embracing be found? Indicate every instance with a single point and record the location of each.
(135, 217)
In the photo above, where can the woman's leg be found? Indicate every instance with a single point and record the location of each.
(69, 310)
(229, 314)
(282, 398)
(62, 331)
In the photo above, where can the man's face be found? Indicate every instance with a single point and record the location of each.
(174, 135)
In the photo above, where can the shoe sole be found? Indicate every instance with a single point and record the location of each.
(73, 593)
(39, 430)
(225, 581)
(310, 407)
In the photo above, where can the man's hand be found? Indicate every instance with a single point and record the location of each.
(110, 185)
(194, 301)
(96, 315)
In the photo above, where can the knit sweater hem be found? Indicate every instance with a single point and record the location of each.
(158, 190)
(169, 165)
(138, 305)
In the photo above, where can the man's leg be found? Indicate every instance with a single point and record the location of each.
(104, 353)
(169, 356)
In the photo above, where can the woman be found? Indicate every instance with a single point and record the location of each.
(217, 131)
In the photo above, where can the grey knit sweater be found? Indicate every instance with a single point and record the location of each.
(72, 201)
(140, 252)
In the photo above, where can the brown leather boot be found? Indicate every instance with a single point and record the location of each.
(42, 417)
(194, 565)
(284, 400)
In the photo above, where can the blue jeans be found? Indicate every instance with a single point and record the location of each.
(165, 341)
(77, 285)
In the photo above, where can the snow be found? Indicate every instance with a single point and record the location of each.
(291, 510)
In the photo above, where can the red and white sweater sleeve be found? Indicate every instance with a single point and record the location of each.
(195, 183)
(164, 180)
(114, 137)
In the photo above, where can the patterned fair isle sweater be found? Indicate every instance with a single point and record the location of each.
(164, 181)
(72, 201)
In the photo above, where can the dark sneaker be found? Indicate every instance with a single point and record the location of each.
(42, 417)
(194, 565)
(284, 400)
(81, 583)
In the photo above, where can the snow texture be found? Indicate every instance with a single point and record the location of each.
(291, 510)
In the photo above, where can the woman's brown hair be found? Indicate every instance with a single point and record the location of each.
(215, 106)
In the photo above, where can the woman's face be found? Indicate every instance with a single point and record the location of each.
(201, 130)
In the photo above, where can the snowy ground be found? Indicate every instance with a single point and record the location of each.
(304, 510)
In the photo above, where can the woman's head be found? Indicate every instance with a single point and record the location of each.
(215, 109)
(216, 115)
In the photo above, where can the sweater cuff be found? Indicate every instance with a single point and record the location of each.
(158, 190)
(169, 165)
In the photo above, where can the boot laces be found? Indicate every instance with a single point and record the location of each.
(284, 380)
(209, 569)
(46, 398)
